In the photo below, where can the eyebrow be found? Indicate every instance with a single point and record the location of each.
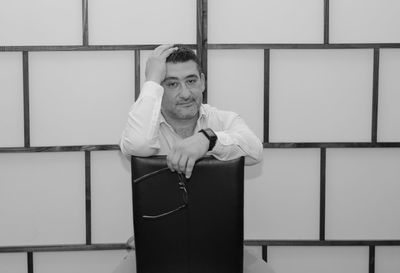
(176, 78)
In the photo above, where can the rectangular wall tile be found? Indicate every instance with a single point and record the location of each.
(11, 100)
(282, 196)
(78, 261)
(272, 21)
(40, 22)
(112, 216)
(362, 201)
(245, 94)
(389, 96)
(80, 98)
(320, 95)
(387, 259)
(142, 22)
(42, 198)
(364, 21)
(318, 259)
(13, 263)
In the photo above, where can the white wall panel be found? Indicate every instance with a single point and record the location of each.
(80, 98)
(42, 198)
(40, 22)
(364, 21)
(282, 195)
(11, 100)
(387, 259)
(318, 259)
(389, 96)
(320, 95)
(78, 261)
(13, 263)
(142, 21)
(112, 217)
(273, 21)
(236, 83)
(362, 200)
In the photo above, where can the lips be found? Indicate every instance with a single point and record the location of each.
(186, 104)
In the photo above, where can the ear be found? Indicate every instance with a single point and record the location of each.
(203, 82)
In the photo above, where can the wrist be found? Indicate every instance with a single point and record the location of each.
(211, 136)
(157, 80)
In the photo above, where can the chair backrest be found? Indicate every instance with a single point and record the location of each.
(204, 237)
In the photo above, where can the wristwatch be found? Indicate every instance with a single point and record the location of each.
(212, 137)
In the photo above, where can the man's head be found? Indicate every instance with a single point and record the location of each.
(183, 85)
(184, 54)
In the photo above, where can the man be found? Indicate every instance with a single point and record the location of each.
(169, 118)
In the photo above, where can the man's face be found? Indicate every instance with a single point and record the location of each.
(183, 90)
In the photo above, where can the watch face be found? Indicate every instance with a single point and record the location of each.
(210, 133)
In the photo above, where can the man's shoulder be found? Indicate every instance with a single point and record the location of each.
(217, 116)
(208, 109)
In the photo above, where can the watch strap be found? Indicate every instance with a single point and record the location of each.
(211, 136)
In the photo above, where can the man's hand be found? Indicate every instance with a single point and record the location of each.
(155, 66)
(184, 154)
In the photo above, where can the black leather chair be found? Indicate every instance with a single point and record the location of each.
(202, 235)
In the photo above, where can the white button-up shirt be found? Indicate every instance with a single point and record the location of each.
(148, 133)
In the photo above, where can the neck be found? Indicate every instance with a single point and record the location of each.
(183, 127)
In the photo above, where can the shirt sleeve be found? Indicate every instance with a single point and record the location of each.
(140, 136)
(236, 140)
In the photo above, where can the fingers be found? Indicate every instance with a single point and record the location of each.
(170, 160)
(163, 51)
(189, 167)
(177, 162)
(160, 49)
(181, 163)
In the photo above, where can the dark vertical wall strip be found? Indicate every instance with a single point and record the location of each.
(85, 24)
(322, 195)
(266, 94)
(25, 73)
(88, 198)
(202, 38)
(326, 21)
(371, 259)
(137, 73)
(375, 95)
(264, 254)
(30, 262)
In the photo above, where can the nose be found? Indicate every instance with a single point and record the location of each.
(185, 92)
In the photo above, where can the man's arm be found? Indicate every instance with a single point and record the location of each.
(236, 140)
(140, 136)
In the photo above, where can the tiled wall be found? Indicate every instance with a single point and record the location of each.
(317, 80)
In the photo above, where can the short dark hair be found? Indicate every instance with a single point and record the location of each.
(184, 54)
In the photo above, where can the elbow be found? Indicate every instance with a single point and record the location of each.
(255, 157)
(139, 147)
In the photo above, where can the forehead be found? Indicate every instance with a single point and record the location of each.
(182, 70)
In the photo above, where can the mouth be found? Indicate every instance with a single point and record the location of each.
(186, 104)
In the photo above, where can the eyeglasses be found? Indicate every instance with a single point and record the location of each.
(181, 187)
(174, 84)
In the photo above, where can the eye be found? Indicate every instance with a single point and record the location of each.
(191, 81)
(172, 84)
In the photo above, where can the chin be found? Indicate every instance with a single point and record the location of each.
(187, 114)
